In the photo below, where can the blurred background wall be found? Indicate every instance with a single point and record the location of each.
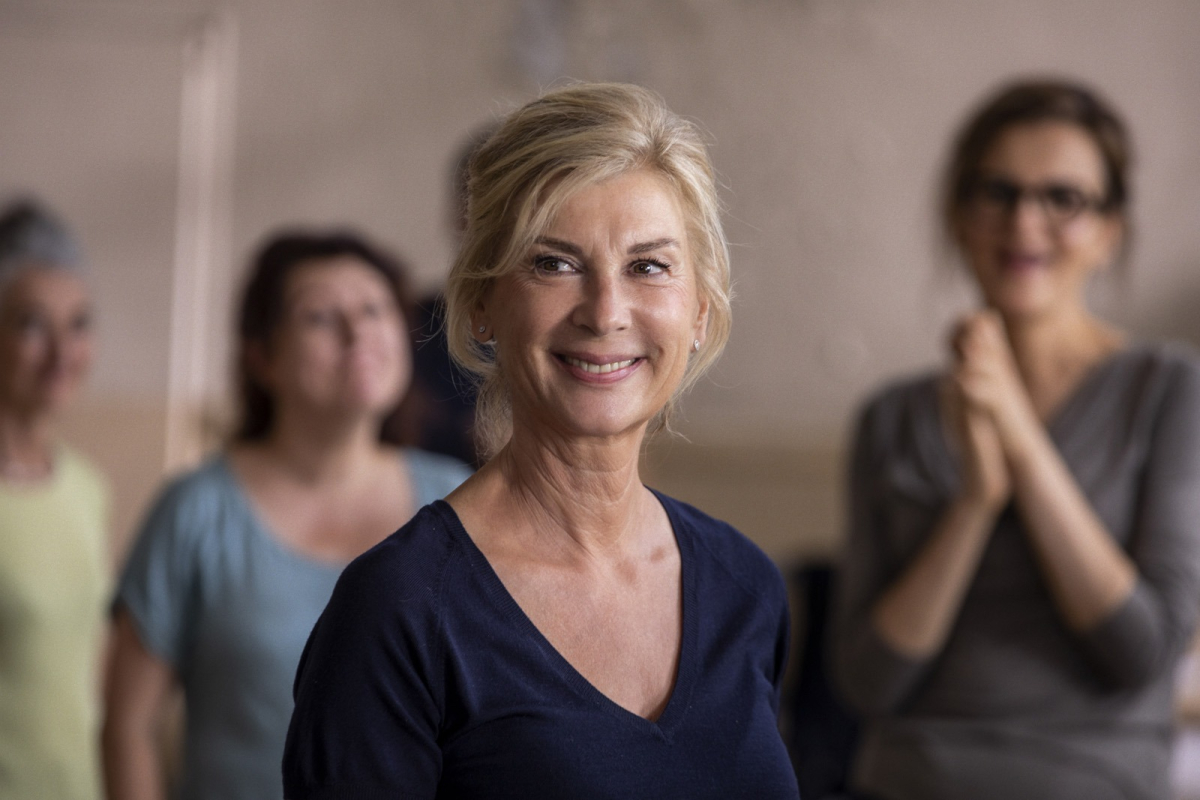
(174, 134)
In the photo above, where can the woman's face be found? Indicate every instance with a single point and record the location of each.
(45, 340)
(340, 348)
(1029, 253)
(593, 328)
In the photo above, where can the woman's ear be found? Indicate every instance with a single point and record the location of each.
(481, 329)
(700, 330)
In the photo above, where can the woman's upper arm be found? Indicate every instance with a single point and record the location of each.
(872, 676)
(158, 588)
(138, 681)
(368, 693)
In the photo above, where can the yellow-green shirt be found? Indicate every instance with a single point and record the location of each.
(53, 591)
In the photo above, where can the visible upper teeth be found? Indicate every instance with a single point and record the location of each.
(598, 369)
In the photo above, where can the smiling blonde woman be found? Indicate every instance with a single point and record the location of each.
(556, 629)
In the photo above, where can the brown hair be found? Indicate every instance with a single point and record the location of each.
(1032, 101)
(261, 312)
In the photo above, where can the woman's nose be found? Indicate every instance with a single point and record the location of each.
(604, 307)
(349, 326)
(1028, 212)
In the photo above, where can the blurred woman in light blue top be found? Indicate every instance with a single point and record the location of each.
(237, 559)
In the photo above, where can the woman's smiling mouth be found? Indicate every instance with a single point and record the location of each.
(598, 369)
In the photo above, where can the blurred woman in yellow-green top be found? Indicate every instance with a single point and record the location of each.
(54, 574)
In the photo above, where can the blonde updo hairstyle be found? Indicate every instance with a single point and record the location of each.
(519, 178)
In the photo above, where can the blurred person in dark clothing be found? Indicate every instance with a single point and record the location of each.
(440, 412)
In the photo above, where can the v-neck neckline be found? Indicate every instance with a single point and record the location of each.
(264, 532)
(680, 697)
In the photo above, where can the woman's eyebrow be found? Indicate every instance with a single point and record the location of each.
(657, 244)
(560, 244)
(637, 249)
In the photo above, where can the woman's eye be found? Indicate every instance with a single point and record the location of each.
(317, 317)
(29, 324)
(81, 323)
(553, 265)
(650, 267)
(1065, 199)
(999, 193)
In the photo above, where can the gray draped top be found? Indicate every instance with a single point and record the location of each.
(1016, 704)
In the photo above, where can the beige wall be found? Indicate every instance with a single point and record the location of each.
(829, 119)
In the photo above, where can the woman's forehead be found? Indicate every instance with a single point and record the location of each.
(637, 205)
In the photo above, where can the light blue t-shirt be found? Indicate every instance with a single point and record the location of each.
(230, 607)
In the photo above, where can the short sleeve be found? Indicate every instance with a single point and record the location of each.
(369, 696)
(159, 584)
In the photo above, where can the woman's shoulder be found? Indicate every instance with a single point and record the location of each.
(209, 481)
(436, 462)
(435, 475)
(1144, 375)
(80, 475)
(415, 557)
(723, 546)
(1165, 356)
(898, 411)
(902, 393)
(194, 505)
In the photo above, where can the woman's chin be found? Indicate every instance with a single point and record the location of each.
(597, 427)
(613, 427)
(370, 399)
(52, 402)
(1020, 303)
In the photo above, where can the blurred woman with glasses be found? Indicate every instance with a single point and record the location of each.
(54, 549)
(1023, 562)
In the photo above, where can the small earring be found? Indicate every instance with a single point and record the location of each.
(695, 345)
(482, 328)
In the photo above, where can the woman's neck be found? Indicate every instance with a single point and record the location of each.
(314, 454)
(589, 490)
(26, 452)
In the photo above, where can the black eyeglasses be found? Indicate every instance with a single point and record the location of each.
(995, 198)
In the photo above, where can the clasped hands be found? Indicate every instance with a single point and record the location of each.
(989, 409)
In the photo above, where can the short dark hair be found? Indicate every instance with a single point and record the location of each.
(1032, 101)
(262, 306)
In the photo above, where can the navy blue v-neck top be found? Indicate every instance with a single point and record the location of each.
(424, 679)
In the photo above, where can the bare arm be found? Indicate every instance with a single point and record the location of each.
(1088, 573)
(915, 614)
(137, 688)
